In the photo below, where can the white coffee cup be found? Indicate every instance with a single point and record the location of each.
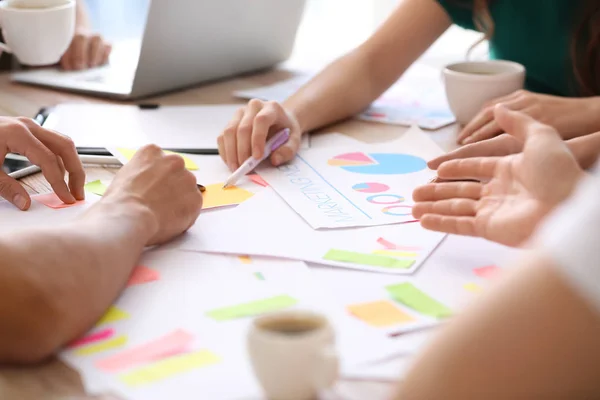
(469, 85)
(37, 32)
(293, 354)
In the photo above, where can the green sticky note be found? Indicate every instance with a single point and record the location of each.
(412, 297)
(96, 187)
(252, 308)
(373, 260)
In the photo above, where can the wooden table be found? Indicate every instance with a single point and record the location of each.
(54, 380)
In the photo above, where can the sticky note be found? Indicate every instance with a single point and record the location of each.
(380, 313)
(245, 259)
(174, 343)
(167, 368)
(106, 345)
(51, 200)
(216, 196)
(189, 164)
(396, 253)
(93, 338)
(113, 314)
(367, 259)
(129, 153)
(96, 187)
(472, 287)
(259, 276)
(412, 297)
(258, 180)
(142, 275)
(252, 308)
(489, 272)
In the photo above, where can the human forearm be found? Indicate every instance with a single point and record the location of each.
(351, 83)
(532, 336)
(57, 282)
(586, 149)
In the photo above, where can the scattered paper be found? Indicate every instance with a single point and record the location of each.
(106, 345)
(252, 308)
(396, 253)
(245, 259)
(113, 314)
(167, 346)
(380, 313)
(96, 187)
(412, 297)
(93, 338)
(362, 185)
(51, 200)
(169, 367)
(129, 153)
(373, 260)
(258, 180)
(142, 275)
(472, 287)
(489, 272)
(392, 246)
(216, 196)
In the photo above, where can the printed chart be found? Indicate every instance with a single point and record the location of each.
(332, 188)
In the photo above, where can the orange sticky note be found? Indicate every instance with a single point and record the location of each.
(489, 272)
(51, 200)
(169, 345)
(258, 180)
(142, 275)
(380, 313)
(245, 259)
(216, 196)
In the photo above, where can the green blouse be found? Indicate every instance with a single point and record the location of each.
(535, 33)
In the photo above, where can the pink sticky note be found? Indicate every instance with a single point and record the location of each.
(51, 200)
(489, 272)
(93, 338)
(172, 344)
(142, 275)
(258, 180)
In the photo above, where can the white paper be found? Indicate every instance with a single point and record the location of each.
(265, 226)
(418, 98)
(359, 185)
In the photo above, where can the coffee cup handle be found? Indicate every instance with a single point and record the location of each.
(327, 373)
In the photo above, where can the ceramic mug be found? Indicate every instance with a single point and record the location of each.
(469, 85)
(293, 354)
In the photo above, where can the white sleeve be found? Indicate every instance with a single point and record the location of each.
(571, 237)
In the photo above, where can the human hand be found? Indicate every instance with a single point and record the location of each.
(522, 188)
(569, 116)
(87, 50)
(161, 184)
(498, 146)
(49, 150)
(249, 129)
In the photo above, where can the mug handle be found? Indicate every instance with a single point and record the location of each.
(326, 375)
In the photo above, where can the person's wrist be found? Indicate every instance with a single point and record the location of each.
(126, 210)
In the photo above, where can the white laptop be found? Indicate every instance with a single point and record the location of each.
(185, 43)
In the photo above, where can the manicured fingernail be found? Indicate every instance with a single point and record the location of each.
(232, 167)
(20, 201)
(277, 160)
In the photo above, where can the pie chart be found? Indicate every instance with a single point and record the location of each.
(378, 163)
(370, 187)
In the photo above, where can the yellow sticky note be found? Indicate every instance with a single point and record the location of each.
(117, 342)
(380, 313)
(113, 314)
(472, 287)
(129, 153)
(216, 196)
(169, 367)
(245, 259)
(189, 164)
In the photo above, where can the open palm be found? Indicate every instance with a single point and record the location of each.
(514, 193)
